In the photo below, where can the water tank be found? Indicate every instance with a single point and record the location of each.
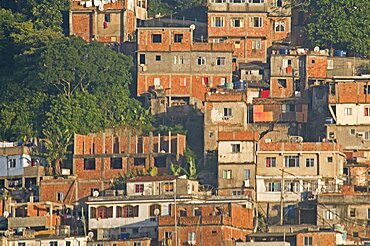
(229, 85)
(340, 53)
(239, 85)
(329, 120)
(283, 51)
(124, 236)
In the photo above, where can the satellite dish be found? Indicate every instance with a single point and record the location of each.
(316, 49)
(95, 193)
(6, 214)
(90, 234)
(192, 27)
(6, 233)
(156, 212)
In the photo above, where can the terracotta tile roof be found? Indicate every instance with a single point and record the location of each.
(238, 136)
(152, 178)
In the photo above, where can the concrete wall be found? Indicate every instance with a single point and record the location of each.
(21, 161)
(225, 154)
(80, 241)
(344, 136)
(357, 116)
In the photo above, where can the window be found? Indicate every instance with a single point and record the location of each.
(178, 60)
(352, 212)
(167, 236)
(157, 58)
(367, 135)
(247, 174)
(307, 241)
(270, 162)
(279, 26)
(236, 193)
(178, 38)
(154, 210)
(273, 186)
(156, 38)
(352, 132)
(330, 159)
(107, 18)
(201, 60)
(197, 212)
(288, 108)
(130, 211)
(235, 148)
(220, 61)
(205, 81)
(256, 22)
(53, 243)
(214, 233)
(237, 22)
(182, 81)
(310, 162)
(60, 196)
(68, 243)
(139, 188)
(256, 44)
(228, 112)
(330, 214)
(115, 163)
(142, 59)
(279, 3)
(291, 186)
(12, 163)
(237, 44)
(93, 213)
(330, 64)
(223, 81)
(21, 244)
(192, 237)
(168, 186)
(256, 1)
(157, 81)
(347, 111)
(366, 89)
(310, 185)
(89, 164)
(355, 234)
(368, 213)
(217, 21)
(366, 111)
(226, 174)
(282, 82)
(291, 161)
(137, 244)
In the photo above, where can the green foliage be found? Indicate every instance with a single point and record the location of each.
(187, 165)
(167, 7)
(340, 24)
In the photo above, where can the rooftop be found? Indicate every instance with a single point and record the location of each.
(238, 136)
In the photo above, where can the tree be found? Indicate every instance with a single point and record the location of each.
(340, 24)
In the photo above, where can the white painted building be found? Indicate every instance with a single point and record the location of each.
(351, 114)
(13, 160)
(50, 240)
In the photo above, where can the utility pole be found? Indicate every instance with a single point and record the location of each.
(282, 198)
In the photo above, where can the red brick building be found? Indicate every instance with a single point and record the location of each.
(111, 22)
(251, 26)
(206, 224)
(169, 60)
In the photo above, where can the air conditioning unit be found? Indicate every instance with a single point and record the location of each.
(246, 183)
(268, 140)
(360, 134)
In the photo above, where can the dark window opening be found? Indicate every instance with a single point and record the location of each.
(116, 146)
(279, 3)
(282, 82)
(155, 210)
(300, 18)
(156, 38)
(116, 163)
(160, 161)
(366, 89)
(178, 38)
(183, 213)
(332, 89)
(158, 58)
(142, 58)
(107, 17)
(297, 85)
(139, 161)
(89, 164)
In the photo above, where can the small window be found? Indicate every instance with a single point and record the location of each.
(217, 21)
(237, 44)
(366, 111)
(137, 244)
(279, 26)
(270, 162)
(197, 212)
(279, 3)
(156, 38)
(348, 111)
(330, 159)
(89, 164)
(235, 148)
(330, 214)
(21, 243)
(256, 22)
(355, 234)
(139, 188)
(192, 238)
(214, 233)
(178, 60)
(157, 81)
(352, 212)
(12, 163)
(237, 22)
(68, 243)
(142, 59)
(312, 61)
(139, 161)
(220, 61)
(366, 89)
(116, 163)
(247, 174)
(256, 44)
(310, 162)
(291, 161)
(228, 112)
(53, 243)
(107, 18)
(226, 174)
(168, 187)
(330, 64)
(273, 186)
(282, 82)
(178, 38)
(201, 60)
(236, 193)
(307, 241)
(60, 196)
(157, 58)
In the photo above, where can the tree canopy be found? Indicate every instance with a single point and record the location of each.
(340, 24)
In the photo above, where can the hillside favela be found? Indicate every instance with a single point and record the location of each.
(184, 122)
